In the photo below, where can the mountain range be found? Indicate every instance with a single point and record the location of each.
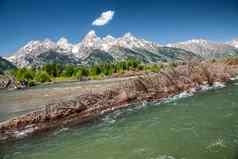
(93, 49)
(209, 49)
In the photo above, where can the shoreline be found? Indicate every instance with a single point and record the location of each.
(88, 106)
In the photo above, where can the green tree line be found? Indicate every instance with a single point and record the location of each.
(54, 71)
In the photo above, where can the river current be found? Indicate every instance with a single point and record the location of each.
(202, 126)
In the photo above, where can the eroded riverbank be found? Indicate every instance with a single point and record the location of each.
(202, 126)
(88, 106)
(18, 102)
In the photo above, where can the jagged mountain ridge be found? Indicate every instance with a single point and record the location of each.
(93, 49)
(208, 49)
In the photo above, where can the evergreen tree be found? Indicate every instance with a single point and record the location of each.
(68, 71)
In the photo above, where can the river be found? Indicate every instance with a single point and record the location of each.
(203, 126)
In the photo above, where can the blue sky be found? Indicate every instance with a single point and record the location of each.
(156, 20)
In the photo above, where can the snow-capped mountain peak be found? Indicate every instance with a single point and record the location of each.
(93, 48)
(49, 44)
(128, 35)
(128, 41)
(108, 37)
(90, 39)
(189, 42)
(36, 47)
(64, 46)
(234, 43)
(91, 33)
(31, 46)
(62, 41)
(196, 41)
(205, 48)
(107, 42)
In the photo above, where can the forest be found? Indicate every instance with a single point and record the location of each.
(58, 72)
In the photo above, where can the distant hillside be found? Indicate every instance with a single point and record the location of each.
(208, 49)
(5, 65)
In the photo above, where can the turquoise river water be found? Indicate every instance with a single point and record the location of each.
(203, 126)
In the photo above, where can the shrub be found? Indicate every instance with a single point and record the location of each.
(95, 70)
(28, 75)
(24, 74)
(85, 71)
(77, 74)
(31, 83)
(141, 67)
(132, 62)
(12, 72)
(53, 70)
(155, 68)
(42, 76)
(68, 71)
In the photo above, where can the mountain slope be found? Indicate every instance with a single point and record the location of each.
(233, 43)
(36, 60)
(207, 49)
(5, 65)
(97, 57)
(37, 53)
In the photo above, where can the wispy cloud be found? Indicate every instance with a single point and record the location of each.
(104, 18)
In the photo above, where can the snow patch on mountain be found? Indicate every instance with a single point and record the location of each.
(63, 45)
(233, 43)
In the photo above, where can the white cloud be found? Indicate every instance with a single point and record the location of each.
(104, 18)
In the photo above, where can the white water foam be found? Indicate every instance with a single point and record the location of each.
(108, 119)
(234, 78)
(192, 91)
(219, 85)
(219, 143)
(61, 130)
(179, 96)
(215, 85)
(163, 157)
(24, 133)
(205, 87)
